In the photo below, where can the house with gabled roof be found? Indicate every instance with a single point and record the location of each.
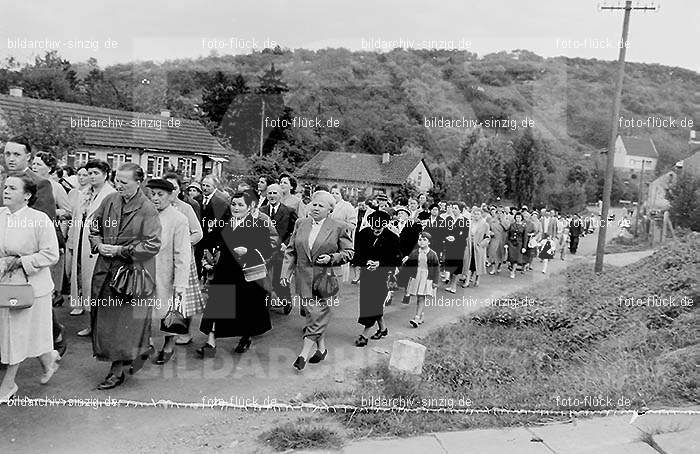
(363, 174)
(157, 143)
(631, 153)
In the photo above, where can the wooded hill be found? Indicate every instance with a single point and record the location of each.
(382, 102)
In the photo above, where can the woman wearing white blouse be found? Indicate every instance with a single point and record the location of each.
(28, 247)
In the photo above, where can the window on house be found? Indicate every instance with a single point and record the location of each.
(156, 166)
(187, 167)
(81, 157)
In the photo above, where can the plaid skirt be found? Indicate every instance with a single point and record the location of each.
(193, 300)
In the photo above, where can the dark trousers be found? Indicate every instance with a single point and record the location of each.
(198, 255)
(573, 244)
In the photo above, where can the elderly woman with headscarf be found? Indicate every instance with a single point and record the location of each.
(377, 254)
(317, 244)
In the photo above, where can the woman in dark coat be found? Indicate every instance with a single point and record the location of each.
(236, 307)
(517, 243)
(125, 231)
(456, 233)
(377, 254)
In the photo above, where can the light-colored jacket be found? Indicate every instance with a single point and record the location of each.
(479, 235)
(88, 259)
(173, 259)
(30, 234)
(345, 212)
(196, 232)
(334, 239)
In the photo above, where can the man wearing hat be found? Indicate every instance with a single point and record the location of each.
(377, 254)
(172, 261)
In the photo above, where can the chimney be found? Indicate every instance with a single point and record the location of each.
(386, 157)
(165, 113)
(16, 92)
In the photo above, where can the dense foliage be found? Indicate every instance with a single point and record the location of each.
(384, 102)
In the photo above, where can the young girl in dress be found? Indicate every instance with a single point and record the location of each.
(548, 249)
(424, 266)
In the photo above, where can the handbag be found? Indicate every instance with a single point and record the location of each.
(132, 280)
(174, 322)
(17, 296)
(326, 284)
(255, 272)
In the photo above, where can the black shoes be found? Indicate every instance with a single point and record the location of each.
(361, 341)
(243, 345)
(300, 363)
(317, 357)
(138, 363)
(112, 381)
(163, 357)
(206, 351)
(379, 334)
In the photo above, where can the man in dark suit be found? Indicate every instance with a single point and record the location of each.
(18, 154)
(216, 212)
(283, 218)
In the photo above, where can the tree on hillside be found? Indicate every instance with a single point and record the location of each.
(51, 77)
(527, 167)
(44, 131)
(684, 197)
(406, 191)
(219, 94)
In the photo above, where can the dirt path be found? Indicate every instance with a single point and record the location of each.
(264, 373)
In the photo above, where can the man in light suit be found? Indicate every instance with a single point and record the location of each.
(284, 219)
(18, 155)
(549, 223)
(317, 243)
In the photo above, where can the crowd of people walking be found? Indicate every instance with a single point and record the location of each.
(144, 258)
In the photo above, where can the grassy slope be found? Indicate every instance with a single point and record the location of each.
(577, 340)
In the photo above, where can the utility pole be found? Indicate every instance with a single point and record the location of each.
(262, 122)
(639, 200)
(610, 169)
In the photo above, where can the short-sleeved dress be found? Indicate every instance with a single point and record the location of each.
(421, 284)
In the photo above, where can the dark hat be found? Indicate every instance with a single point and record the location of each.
(404, 209)
(423, 216)
(381, 196)
(159, 183)
(426, 234)
(378, 218)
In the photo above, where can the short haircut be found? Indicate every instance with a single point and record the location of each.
(268, 179)
(245, 195)
(214, 179)
(22, 140)
(322, 187)
(292, 180)
(48, 159)
(98, 164)
(135, 169)
(326, 196)
(253, 194)
(69, 170)
(30, 187)
(174, 176)
(273, 186)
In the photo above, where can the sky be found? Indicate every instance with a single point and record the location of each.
(129, 30)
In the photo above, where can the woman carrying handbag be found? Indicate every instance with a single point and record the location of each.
(28, 248)
(237, 294)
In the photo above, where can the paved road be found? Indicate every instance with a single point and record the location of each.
(264, 373)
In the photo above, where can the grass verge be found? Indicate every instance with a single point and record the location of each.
(624, 339)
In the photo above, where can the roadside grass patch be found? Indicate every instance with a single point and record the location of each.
(304, 433)
(585, 344)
